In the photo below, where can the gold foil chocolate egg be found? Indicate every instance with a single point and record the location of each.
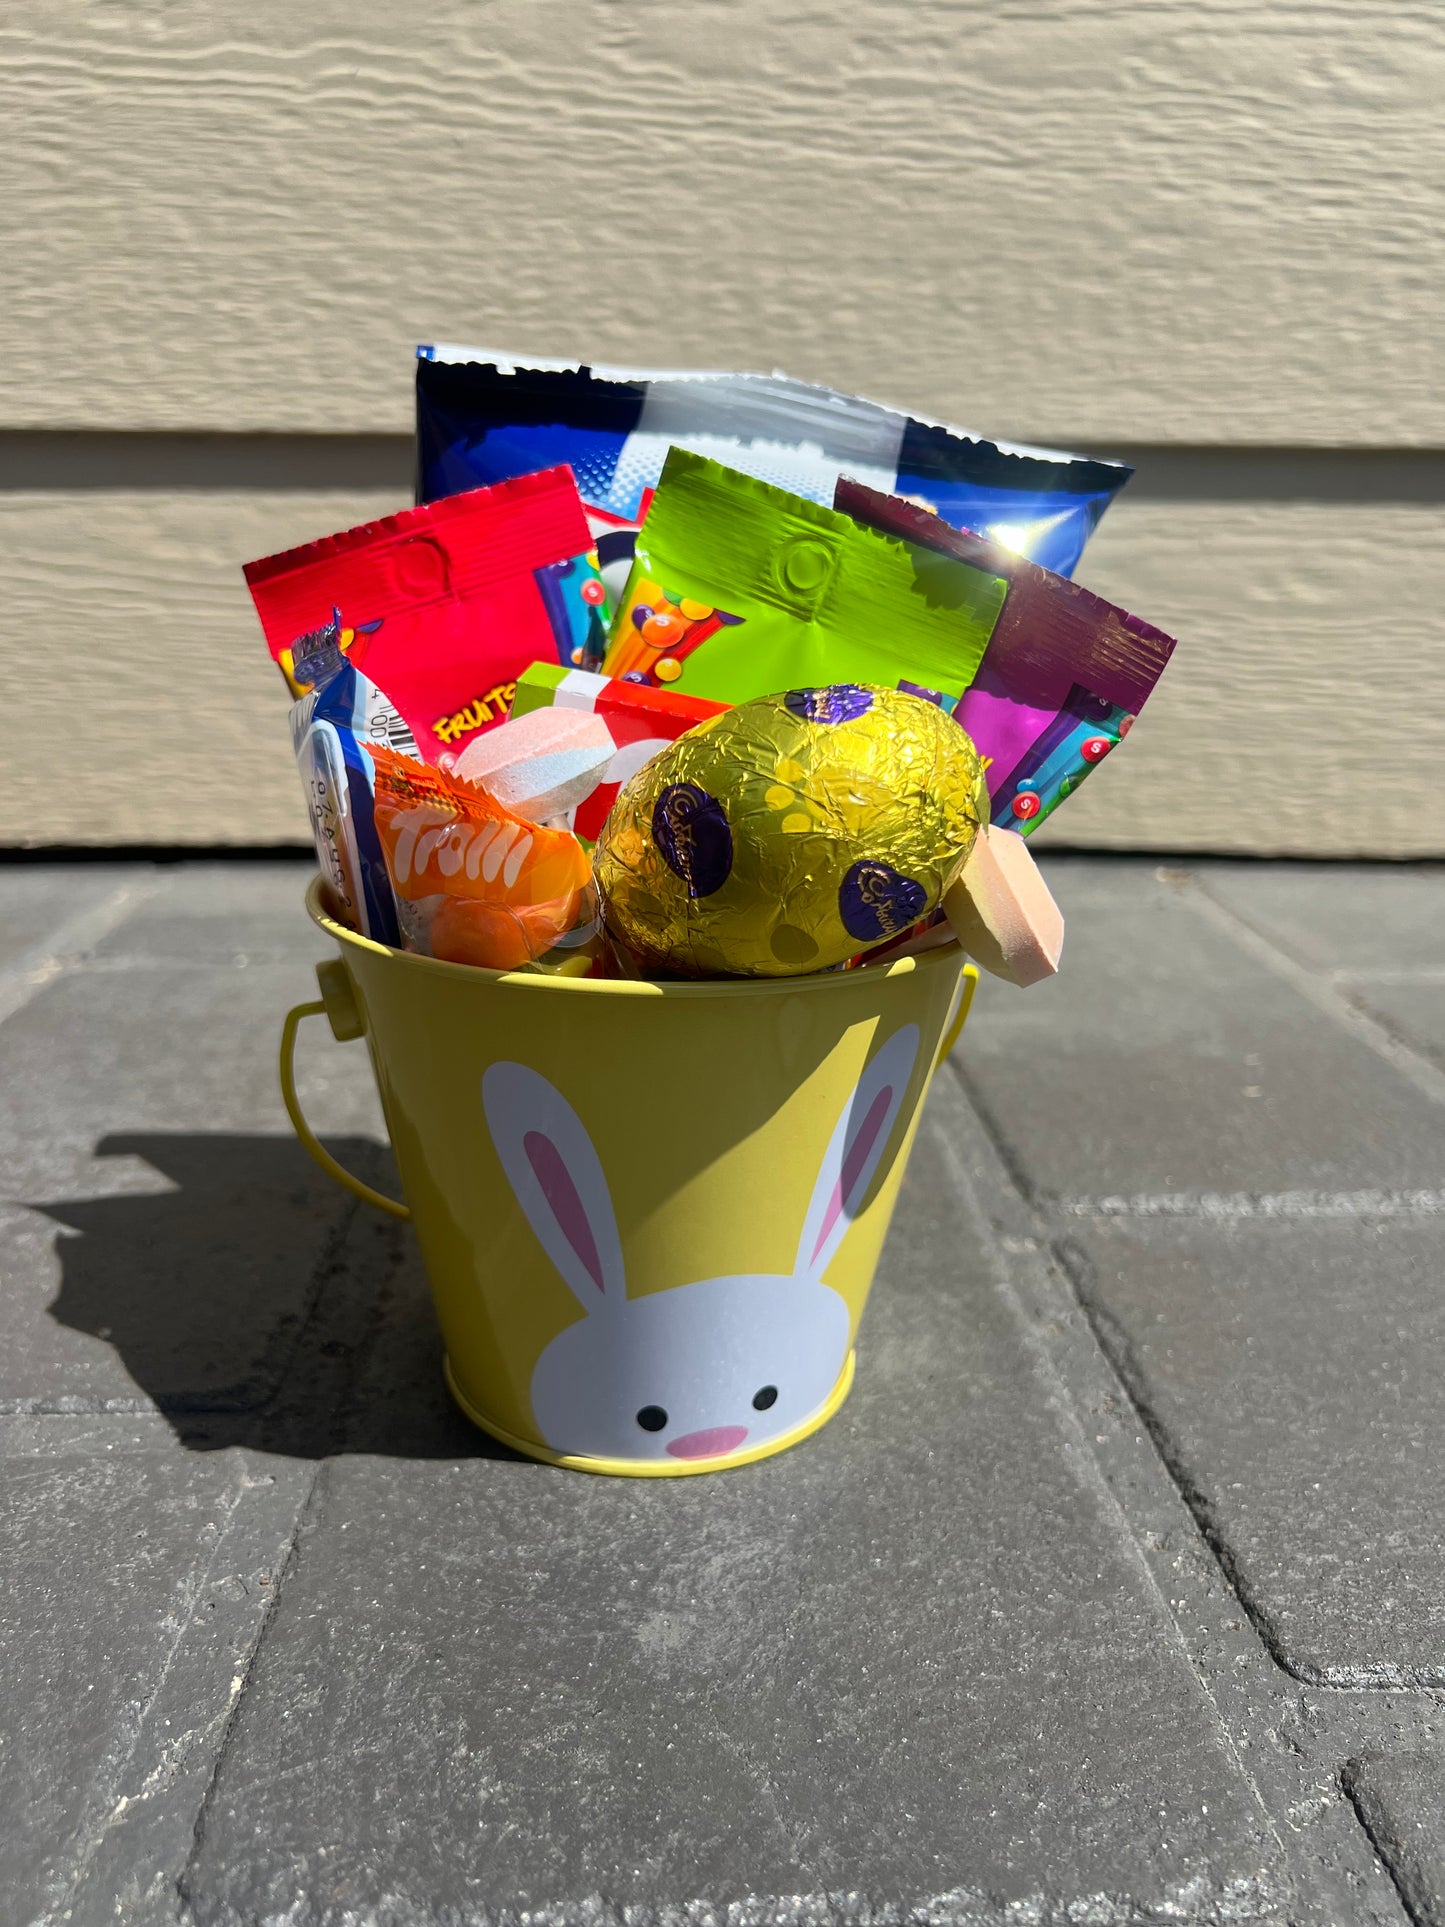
(790, 833)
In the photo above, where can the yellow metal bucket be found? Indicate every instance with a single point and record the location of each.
(650, 1213)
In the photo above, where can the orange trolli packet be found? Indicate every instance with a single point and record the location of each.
(474, 883)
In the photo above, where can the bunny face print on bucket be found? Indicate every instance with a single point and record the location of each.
(703, 1370)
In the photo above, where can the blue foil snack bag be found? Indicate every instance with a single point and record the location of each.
(483, 416)
(331, 727)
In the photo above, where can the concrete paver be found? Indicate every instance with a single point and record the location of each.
(162, 1050)
(1401, 1799)
(1358, 917)
(1167, 1058)
(111, 1560)
(1413, 1012)
(39, 898)
(1110, 1596)
(1377, 931)
(1292, 1369)
(219, 914)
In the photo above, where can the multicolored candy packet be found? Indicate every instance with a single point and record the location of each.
(740, 590)
(1062, 679)
(641, 722)
(333, 727)
(443, 607)
(483, 416)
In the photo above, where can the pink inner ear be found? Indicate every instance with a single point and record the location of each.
(561, 1194)
(854, 1159)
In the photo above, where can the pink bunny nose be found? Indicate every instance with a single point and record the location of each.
(708, 1445)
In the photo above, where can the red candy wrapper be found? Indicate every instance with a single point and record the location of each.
(443, 607)
(1063, 675)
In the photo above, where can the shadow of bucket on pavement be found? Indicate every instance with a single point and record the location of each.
(253, 1305)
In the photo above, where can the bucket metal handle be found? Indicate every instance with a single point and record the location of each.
(960, 1016)
(343, 1177)
(337, 1005)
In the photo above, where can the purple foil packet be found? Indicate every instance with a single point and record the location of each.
(1063, 675)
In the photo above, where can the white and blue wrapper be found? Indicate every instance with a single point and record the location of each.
(330, 728)
(484, 416)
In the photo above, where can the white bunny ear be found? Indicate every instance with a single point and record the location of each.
(558, 1181)
(858, 1142)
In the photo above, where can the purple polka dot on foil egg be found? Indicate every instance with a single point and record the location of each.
(876, 901)
(840, 702)
(692, 831)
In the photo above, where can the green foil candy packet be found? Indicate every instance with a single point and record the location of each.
(740, 589)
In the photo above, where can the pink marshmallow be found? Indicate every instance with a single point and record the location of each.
(1002, 913)
(542, 764)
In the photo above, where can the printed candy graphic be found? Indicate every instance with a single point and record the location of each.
(659, 630)
(699, 1370)
(318, 646)
(1082, 734)
(576, 605)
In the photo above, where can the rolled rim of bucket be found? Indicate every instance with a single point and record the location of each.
(820, 983)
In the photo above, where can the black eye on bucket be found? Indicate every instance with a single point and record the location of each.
(766, 1397)
(652, 1418)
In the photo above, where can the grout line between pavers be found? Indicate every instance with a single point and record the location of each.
(126, 1870)
(241, 1681)
(1114, 1343)
(1385, 1676)
(63, 1405)
(341, 1415)
(1265, 1714)
(142, 1827)
(60, 1435)
(1419, 1906)
(25, 976)
(1319, 989)
(1368, 977)
(107, 1803)
(140, 964)
(1233, 1207)
(1093, 1374)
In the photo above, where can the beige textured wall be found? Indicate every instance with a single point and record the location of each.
(1208, 234)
